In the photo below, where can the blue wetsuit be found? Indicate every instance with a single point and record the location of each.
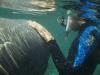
(83, 55)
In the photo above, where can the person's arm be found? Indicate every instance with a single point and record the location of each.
(57, 56)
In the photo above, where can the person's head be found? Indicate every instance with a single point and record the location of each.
(84, 14)
(22, 50)
(74, 23)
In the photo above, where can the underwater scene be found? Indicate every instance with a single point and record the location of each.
(49, 37)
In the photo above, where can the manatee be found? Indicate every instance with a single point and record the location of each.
(22, 50)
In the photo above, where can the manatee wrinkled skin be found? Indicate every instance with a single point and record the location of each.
(22, 50)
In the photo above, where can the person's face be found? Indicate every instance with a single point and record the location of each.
(74, 23)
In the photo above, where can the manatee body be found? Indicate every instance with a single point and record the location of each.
(22, 50)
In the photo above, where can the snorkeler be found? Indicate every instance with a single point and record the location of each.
(83, 55)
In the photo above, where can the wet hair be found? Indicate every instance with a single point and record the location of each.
(22, 51)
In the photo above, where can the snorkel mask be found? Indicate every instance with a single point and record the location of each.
(66, 20)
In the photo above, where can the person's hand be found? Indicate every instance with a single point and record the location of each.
(41, 30)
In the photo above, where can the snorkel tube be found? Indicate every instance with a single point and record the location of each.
(68, 22)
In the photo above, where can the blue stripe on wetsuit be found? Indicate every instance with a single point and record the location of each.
(84, 47)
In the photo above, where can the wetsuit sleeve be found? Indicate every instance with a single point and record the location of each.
(57, 57)
(87, 46)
